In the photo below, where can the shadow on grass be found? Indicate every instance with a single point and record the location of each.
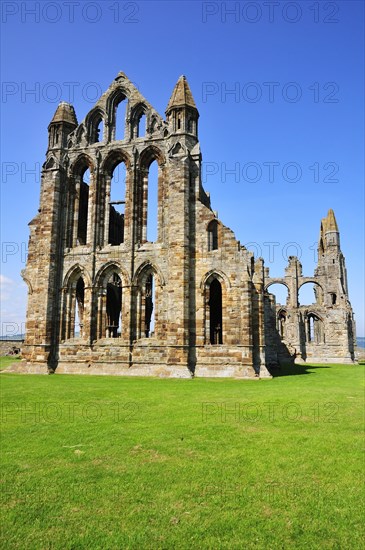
(290, 369)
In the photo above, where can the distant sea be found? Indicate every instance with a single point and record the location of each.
(361, 342)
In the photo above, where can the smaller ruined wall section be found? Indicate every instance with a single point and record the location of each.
(10, 347)
(322, 332)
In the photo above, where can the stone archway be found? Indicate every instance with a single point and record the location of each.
(215, 312)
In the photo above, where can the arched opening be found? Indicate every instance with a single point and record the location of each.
(117, 204)
(314, 329)
(120, 119)
(213, 235)
(79, 308)
(149, 313)
(281, 293)
(215, 312)
(282, 315)
(97, 129)
(113, 306)
(50, 163)
(80, 134)
(152, 202)
(99, 133)
(141, 125)
(138, 121)
(311, 328)
(72, 322)
(192, 126)
(56, 136)
(310, 293)
(333, 298)
(153, 125)
(83, 207)
(178, 120)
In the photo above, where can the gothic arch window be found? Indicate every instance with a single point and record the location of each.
(215, 313)
(80, 133)
(178, 120)
(147, 302)
(152, 202)
(192, 125)
(310, 293)
(99, 131)
(150, 193)
(113, 306)
(117, 109)
(213, 235)
(120, 114)
(153, 125)
(141, 128)
(280, 291)
(76, 227)
(96, 127)
(73, 307)
(83, 185)
(282, 315)
(314, 329)
(50, 163)
(139, 121)
(149, 196)
(109, 306)
(149, 317)
(79, 306)
(117, 204)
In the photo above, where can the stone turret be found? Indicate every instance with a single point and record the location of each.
(182, 114)
(63, 122)
(329, 234)
(331, 261)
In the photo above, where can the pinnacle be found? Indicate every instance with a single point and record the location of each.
(65, 113)
(331, 223)
(181, 95)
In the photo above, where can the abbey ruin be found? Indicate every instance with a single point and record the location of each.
(107, 296)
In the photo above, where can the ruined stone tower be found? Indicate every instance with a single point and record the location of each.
(108, 295)
(319, 332)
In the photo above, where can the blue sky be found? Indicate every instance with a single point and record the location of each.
(279, 87)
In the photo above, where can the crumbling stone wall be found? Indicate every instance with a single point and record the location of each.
(324, 331)
(105, 299)
(10, 347)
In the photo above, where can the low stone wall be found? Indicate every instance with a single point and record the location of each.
(10, 347)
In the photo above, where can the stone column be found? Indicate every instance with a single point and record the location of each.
(125, 314)
(63, 317)
(144, 205)
(138, 315)
(106, 210)
(91, 209)
(76, 211)
(101, 313)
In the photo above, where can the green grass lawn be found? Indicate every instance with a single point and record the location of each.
(112, 462)
(6, 361)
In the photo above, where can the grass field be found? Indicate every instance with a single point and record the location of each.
(112, 462)
(6, 361)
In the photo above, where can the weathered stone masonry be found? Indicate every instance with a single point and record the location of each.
(105, 299)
